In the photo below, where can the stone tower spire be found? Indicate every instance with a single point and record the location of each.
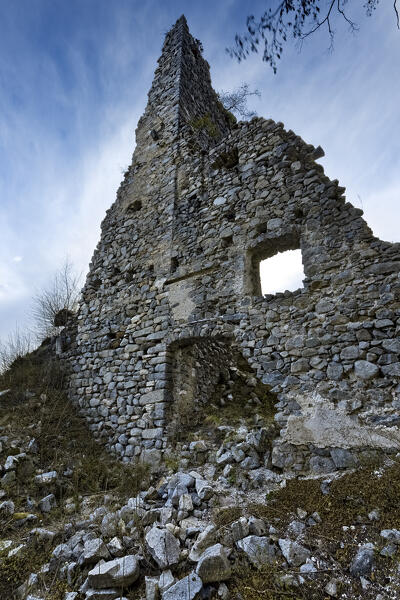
(182, 110)
(181, 98)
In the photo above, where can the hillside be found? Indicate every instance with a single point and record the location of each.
(78, 524)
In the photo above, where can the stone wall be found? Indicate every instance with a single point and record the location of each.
(202, 203)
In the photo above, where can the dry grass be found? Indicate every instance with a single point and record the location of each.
(37, 407)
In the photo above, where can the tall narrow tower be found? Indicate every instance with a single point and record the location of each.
(124, 288)
(182, 109)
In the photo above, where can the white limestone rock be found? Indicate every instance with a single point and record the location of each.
(188, 588)
(213, 565)
(294, 553)
(259, 550)
(46, 478)
(205, 539)
(163, 547)
(47, 503)
(115, 547)
(118, 573)
(165, 581)
(93, 551)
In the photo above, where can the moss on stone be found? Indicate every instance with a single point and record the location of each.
(205, 123)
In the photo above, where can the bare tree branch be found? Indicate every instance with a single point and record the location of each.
(17, 344)
(297, 19)
(53, 306)
(236, 101)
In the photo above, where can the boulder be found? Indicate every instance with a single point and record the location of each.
(115, 547)
(296, 528)
(7, 508)
(391, 535)
(294, 553)
(165, 581)
(240, 529)
(47, 503)
(151, 588)
(41, 538)
(364, 560)
(321, 464)
(259, 550)
(203, 489)
(46, 478)
(185, 503)
(187, 588)
(343, 458)
(183, 479)
(205, 539)
(163, 547)
(118, 573)
(214, 565)
(93, 551)
(257, 526)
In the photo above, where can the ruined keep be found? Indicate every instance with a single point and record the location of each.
(173, 294)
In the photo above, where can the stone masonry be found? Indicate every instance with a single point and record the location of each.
(176, 274)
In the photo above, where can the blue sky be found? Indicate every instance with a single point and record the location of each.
(74, 77)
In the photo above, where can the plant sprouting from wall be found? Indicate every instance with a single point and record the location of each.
(55, 304)
(235, 102)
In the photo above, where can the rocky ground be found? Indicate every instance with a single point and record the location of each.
(76, 525)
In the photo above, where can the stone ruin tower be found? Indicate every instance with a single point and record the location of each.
(172, 303)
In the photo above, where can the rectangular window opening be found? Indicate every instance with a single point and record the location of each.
(281, 272)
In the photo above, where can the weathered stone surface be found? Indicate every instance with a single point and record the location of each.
(214, 565)
(93, 551)
(115, 547)
(326, 426)
(364, 369)
(205, 539)
(203, 489)
(163, 547)
(321, 464)
(257, 526)
(7, 508)
(240, 529)
(296, 528)
(391, 535)
(47, 503)
(343, 459)
(151, 588)
(364, 561)
(334, 371)
(331, 588)
(165, 581)
(41, 538)
(294, 553)
(111, 594)
(259, 550)
(188, 588)
(392, 370)
(118, 573)
(392, 345)
(46, 478)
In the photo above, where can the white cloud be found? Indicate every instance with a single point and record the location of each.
(68, 140)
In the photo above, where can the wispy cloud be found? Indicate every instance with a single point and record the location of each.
(73, 83)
